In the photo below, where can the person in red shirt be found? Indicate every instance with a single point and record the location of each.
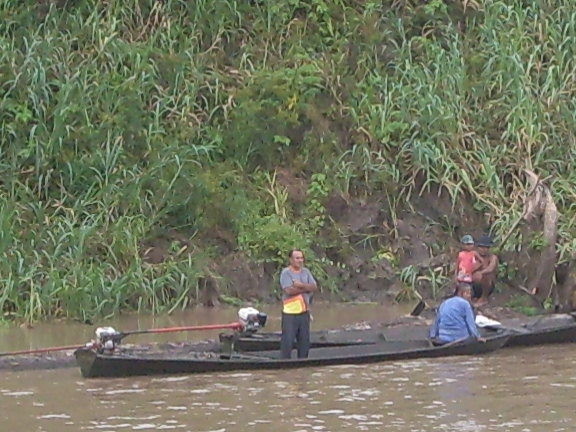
(468, 260)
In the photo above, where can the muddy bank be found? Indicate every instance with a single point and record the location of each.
(367, 253)
(37, 361)
(66, 359)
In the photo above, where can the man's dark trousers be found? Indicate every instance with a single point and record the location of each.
(295, 327)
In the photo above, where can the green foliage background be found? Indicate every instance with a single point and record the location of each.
(122, 120)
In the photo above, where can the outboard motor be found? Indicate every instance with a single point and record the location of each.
(252, 319)
(107, 339)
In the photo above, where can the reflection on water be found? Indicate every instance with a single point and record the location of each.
(518, 390)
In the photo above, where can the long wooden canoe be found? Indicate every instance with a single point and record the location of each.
(545, 329)
(542, 330)
(320, 339)
(93, 364)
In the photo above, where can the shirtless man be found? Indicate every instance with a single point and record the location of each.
(484, 277)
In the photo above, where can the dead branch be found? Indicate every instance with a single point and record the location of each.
(540, 204)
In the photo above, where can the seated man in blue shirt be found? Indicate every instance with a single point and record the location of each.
(455, 318)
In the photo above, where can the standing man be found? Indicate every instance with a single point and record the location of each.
(484, 276)
(297, 284)
(455, 318)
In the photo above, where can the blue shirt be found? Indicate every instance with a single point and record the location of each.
(454, 321)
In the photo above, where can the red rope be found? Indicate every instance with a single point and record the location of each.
(235, 326)
(43, 350)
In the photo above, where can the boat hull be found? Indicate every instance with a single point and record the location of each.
(94, 365)
(544, 331)
(551, 329)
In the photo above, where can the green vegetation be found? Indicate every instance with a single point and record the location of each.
(129, 124)
(521, 304)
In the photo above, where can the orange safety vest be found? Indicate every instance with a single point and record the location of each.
(294, 305)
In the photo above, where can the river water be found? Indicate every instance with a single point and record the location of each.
(522, 389)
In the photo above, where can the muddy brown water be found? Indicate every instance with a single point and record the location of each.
(519, 390)
(52, 334)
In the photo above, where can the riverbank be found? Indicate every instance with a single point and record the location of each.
(167, 154)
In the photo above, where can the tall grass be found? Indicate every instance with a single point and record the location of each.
(124, 121)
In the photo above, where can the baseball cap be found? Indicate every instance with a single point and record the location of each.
(485, 241)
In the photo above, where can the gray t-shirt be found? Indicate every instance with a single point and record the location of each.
(287, 278)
